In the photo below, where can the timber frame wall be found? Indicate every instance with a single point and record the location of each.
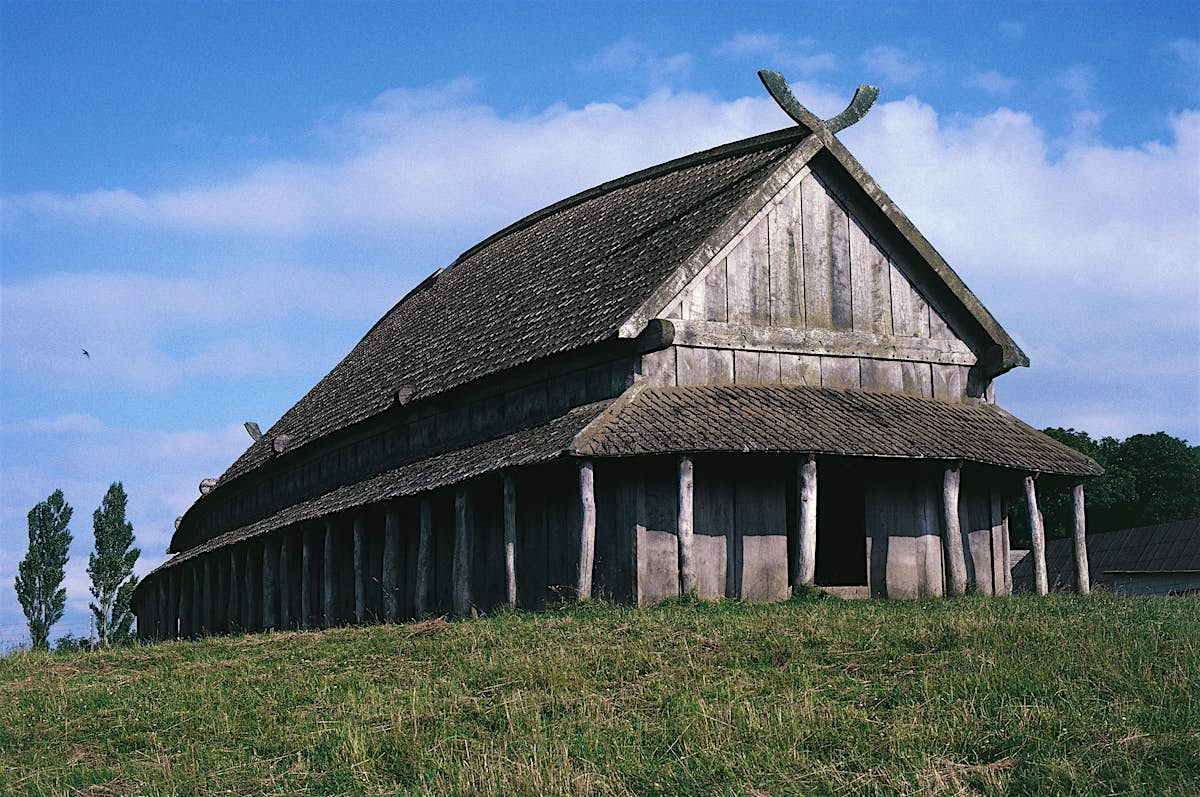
(730, 525)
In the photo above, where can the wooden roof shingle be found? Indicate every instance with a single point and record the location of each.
(823, 420)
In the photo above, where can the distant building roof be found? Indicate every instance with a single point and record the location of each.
(1162, 549)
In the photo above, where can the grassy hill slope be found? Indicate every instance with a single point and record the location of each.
(1059, 695)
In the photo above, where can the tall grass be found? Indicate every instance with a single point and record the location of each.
(1057, 695)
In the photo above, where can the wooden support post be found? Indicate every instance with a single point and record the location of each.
(185, 602)
(329, 578)
(1037, 536)
(510, 540)
(270, 585)
(391, 565)
(196, 621)
(171, 615)
(285, 579)
(805, 571)
(249, 590)
(234, 618)
(208, 601)
(685, 527)
(424, 559)
(160, 632)
(308, 576)
(956, 563)
(360, 567)
(587, 527)
(461, 566)
(1083, 583)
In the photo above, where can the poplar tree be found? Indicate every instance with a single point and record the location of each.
(111, 568)
(40, 574)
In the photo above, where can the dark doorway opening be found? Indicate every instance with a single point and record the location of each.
(841, 527)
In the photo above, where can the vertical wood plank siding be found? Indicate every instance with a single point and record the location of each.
(1037, 537)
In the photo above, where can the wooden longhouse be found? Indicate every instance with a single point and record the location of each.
(730, 374)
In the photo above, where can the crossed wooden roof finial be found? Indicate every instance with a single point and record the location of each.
(777, 87)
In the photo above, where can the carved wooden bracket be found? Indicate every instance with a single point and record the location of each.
(777, 87)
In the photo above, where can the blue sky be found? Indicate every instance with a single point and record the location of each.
(218, 200)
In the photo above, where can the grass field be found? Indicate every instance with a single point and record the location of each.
(1057, 695)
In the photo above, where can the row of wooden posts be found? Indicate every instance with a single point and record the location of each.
(189, 598)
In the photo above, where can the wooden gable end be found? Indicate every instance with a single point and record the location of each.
(803, 289)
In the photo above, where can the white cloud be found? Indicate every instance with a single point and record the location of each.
(991, 81)
(756, 43)
(892, 64)
(630, 55)
(1077, 81)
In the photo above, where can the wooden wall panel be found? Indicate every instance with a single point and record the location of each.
(786, 261)
(881, 375)
(760, 520)
(949, 382)
(704, 366)
(818, 271)
(658, 545)
(714, 528)
(800, 369)
(871, 284)
(530, 549)
(749, 279)
(840, 372)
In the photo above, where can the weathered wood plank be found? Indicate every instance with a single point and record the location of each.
(510, 540)
(871, 284)
(208, 598)
(800, 369)
(698, 366)
(685, 527)
(270, 586)
(841, 279)
(424, 559)
(840, 372)
(933, 580)
(1082, 576)
(749, 279)
(805, 569)
(716, 293)
(1037, 537)
(391, 564)
(786, 262)
(463, 552)
(849, 343)
(882, 375)
(587, 527)
(308, 577)
(329, 577)
(903, 324)
(956, 565)
(251, 576)
(659, 367)
(917, 379)
(360, 567)
(949, 382)
(815, 249)
(286, 567)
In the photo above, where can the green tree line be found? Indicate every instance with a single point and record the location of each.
(1148, 479)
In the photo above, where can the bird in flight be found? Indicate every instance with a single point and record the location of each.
(85, 353)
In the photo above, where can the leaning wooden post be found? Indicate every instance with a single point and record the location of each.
(161, 589)
(329, 579)
(360, 567)
(424, 550)
(805, 571)
(1037, 536)
(234, 620)
(270, 586)
(587, 527)
(285, 580)
(461, 566)
(1083, 582)
(207, 600)
(185, 602)
(308, 576)
(956, 563)
(510, 540)
(391, 565)
(685, 527)
(197, 620)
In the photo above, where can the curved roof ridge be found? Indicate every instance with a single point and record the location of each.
(763, 141)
